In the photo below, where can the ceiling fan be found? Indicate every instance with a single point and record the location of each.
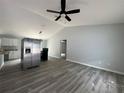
(63, 11)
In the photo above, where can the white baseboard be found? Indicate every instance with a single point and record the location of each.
(54, 57)
(109, 70)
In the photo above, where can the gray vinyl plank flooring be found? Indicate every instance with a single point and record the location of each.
(58, 76)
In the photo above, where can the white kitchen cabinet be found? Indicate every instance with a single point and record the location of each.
(11, 54)
(9, 42)
(15, 42)
(5, 42)
(16, 55)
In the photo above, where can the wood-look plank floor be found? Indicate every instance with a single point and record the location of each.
(58, 76)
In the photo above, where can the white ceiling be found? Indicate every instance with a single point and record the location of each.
(25, 18)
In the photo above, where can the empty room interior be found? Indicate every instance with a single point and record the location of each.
(61, 46)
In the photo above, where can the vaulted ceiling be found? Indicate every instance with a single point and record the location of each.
(25, 18)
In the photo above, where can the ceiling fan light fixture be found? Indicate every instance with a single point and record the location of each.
(40, 32)
(63, 11)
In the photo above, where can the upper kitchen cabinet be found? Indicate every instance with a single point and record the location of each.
(5, 42)
(9, 42)
(15, 42)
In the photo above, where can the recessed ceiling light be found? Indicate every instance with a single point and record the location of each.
(40, 32)
(43, 25)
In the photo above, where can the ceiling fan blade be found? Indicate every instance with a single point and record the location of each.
(73, 11)
(63, 5)
(52, 11)
(58, 18)
(68, 18)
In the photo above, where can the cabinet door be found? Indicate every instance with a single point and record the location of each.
(3, 42)
(15, 42)
(7, 42)
(10, 42)
(11, 54)
(16, 55)
(36, 53)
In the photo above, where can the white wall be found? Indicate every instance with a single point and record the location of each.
(44, 44)
(101, 46)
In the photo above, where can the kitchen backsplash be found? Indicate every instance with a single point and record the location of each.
(9, 48)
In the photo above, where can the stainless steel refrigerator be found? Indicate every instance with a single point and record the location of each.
(30, 53)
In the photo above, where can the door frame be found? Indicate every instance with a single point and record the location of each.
(65, 48)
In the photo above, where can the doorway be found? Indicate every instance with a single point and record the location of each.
(63, 48)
